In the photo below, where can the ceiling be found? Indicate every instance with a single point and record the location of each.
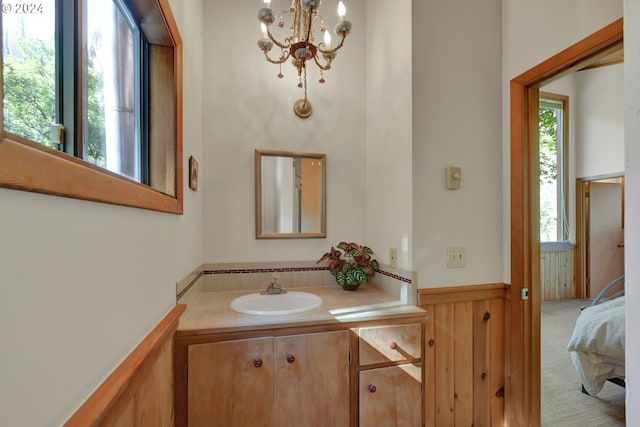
(614, 57)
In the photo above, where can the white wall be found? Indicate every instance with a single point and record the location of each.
(600, 121)
(389, 130)
(82, 283)
(456, 122)
(247, 107)
(632, 204)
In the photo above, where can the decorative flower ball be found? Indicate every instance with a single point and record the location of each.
(310, 4)
(343, 28)
(266, 16)
(265, 44)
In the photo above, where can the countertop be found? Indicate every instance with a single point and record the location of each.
(209, 312)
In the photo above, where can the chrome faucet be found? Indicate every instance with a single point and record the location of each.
(274, 287)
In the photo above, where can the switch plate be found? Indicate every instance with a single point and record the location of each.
(456, 257)
(393, 258)
(453, 178)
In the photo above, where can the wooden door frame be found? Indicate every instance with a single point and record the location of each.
(522, 361)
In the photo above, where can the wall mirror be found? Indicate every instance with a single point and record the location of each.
(290, 195)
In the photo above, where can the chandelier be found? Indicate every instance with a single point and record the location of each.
(300, 44)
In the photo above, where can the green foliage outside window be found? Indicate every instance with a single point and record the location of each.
(548, 145)
(30, 97)
(548, 134)
(29, 91)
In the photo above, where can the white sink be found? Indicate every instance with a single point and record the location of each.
(276, 304)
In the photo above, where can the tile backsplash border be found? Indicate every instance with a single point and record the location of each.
(291, 274)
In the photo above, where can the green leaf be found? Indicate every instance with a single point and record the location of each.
(357, 275)
(354, 253)
(341, 278)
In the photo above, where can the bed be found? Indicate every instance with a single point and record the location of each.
(597, 341)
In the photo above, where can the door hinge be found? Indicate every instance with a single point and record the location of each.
(524, 293)
(186, 375)
(349, 355)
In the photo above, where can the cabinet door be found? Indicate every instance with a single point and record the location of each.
(391, 397)
(311, 382)
(231, 383)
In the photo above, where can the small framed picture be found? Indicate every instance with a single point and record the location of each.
(193, 173)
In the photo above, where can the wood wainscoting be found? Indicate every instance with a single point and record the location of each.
(464, 355)
(557, 273)
(139, 392)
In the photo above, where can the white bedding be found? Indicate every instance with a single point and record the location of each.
(597, 344)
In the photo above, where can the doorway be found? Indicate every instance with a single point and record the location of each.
(523, 339)
(600, 237)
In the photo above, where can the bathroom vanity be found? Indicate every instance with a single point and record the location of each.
(354, 361)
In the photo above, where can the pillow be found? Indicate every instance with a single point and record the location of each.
(600, 329)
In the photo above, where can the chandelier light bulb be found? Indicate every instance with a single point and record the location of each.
(264, 29)
(342, 11)
(327, 39)
(267, 3)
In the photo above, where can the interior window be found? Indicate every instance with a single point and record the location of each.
(100, 81)
(109, 75)
(552, 151)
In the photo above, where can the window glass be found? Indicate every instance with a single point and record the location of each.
(552, 190)
(29, 70)
(110, 115)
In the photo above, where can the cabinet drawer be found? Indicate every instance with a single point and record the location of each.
(391, 396)
(389, 344)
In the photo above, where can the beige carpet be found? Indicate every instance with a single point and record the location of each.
(563, 404)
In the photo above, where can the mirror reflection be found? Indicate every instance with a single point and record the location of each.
(290, 194)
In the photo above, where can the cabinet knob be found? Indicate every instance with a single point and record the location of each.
(257, 362)
(393, 345)
(372, 388)
(291, 358)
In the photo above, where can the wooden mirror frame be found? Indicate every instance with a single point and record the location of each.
(260, 233)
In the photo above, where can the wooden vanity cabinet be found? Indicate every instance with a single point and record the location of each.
(292, 380)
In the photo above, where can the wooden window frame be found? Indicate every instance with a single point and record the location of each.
(28, 166)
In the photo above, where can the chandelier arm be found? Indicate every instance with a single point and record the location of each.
(286, 45)
(309, 20)
(280, 60)
(325, 67)
(335, 49)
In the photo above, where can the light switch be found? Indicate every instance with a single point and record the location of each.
(456, 257)
(453, 178)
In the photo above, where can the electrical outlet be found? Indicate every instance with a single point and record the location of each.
(456, 257)
(393, 258)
